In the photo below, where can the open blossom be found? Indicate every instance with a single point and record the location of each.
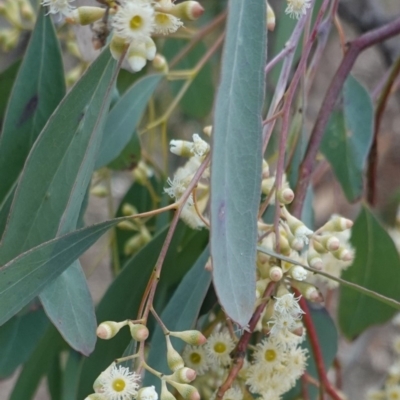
(297, 8)
(58, 6)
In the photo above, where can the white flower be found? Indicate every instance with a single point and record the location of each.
(393, 392)
(56, 6)
(134, 20)
(190, 217)
(195, 358)
(200, 147)
(147, 393)
(297, 8)
(269, 355)
(119, 383)
(288, 305)
(218, 347)
(296, 363)
(233, 393)
(299, 273)
(166, 23)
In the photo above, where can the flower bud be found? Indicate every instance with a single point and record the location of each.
(147, 393)
(266, 185)
(165, 393)
(298, 273)
(174, 359)
(318, 247)
(285, 196)
(188, 392)
(296, 243)
(137, 56)
(137, 242)
(187, 10)
(310, 292)
(343, 254)
(108, 329)
(331, 243)
(129, 209)
(270, 18)
(117, 47)
(142, 172)
(182, 148)
(85, 15)
(151, 48)
(192, 337)
(275, 273)
(139, 332)
(126, 226)
(314, 260)
(284, 245)
(160, 64)
(99, 191)
(27, 11)
(337, 224)
(183, 375)
(208, 130)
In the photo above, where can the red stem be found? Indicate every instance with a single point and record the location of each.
(354, 48)
(316, 349)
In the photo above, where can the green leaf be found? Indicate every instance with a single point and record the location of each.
(70, 378)
(180, 314)
(24, 277)
(198, 100)
(18, 338)
(122, 301)
(348, 138)
(38, 89)
(37, 365)
(7, 78)
(124, 117)
(50, 194)
(376, 267)
(328, 340)
(236, 160)
(54, 378)
(69, 305)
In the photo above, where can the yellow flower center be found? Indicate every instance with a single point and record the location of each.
(220, 347)
(195, 358)
(270, 355)
(136, 22)
(161, 18)
(118, 385)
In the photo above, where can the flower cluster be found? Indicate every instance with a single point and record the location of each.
(194, 207)
(297, 8)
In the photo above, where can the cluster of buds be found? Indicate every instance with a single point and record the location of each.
(20, 16)
(196, 151)
(133, 23)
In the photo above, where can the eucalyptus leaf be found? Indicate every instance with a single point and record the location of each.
(124, 117)
(236, 160)
(7, 78)
(376, 267)
(37, 90)
(348, 138)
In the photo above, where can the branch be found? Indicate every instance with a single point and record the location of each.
(354, 49)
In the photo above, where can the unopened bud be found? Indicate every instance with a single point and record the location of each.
(266, 185)
(165, 393)
(337, 224)
(208, 130)
(160, 64)
(298, 273)
(151, 48)
(318, 247)
(85, 15)
(310, 292)
(137, 242)
(331, 243)
(188, 392)
(265, 170)
(296, 243)
(117, 47)
(147, 393)
(129, 209)
(27, 11)
(99, 191)
(139, 332)
(183, 375)
(126, 226)
(108, 329)
(343, 254)
(181, 148)
(270, 18)
(187, 10)
(284, 246)
(192, 337)
(142, 172)
(137, 56)
(285, 196)
(296, 226)
(275, 273)
(174, 359)
(314, 260)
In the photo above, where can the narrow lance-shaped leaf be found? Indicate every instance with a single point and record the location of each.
(348, 138)
(49, 196)
(376, 267)
(236, 159)
(38, 89)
